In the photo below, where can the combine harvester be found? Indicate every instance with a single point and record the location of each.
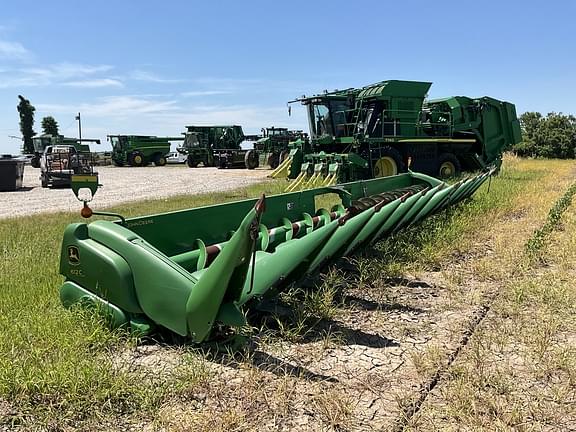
(195, 272)
(388, 128)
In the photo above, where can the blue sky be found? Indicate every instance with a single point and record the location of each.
(149, 67)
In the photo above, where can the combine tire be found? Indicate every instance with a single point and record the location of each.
(191, 162)
(273, 160)
(251, 159)
(283, 155)
(448, 166)
(160, 161)
(136, 159)
(389, 162)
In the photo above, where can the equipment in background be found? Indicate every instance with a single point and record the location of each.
(388, 128)
(140, 150)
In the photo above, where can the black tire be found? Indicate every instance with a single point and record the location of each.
(387, 162)
(136, 159)
(191, 162)
(118, 163)
(251, 159)
(448, 166)
(35, 162)
(283, 155)
(160, 160)
(273, 160)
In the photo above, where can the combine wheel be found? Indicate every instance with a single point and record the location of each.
(160, 160)
(273, 160)
(191, 162)
(136, 159)
(283, 155)
(390, 163)
(448, 166)
(251, 159)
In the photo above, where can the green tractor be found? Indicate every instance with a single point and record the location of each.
(41, 142)
(140, 150)
(387, 128)
(218, 146)
(272, 146)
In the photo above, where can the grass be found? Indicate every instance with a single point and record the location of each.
(60, 368)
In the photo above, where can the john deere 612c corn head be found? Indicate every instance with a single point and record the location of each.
(197, 270)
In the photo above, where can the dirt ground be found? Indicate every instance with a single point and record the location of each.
(123, 185)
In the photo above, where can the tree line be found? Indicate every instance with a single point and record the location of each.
(553, 136)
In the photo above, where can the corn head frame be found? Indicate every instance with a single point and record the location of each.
(196, 271)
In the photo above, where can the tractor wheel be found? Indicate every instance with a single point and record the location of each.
(136, 159)
(191, 162)
(389, 163)
(273, 160)
(448, 166)
(251, 159)
(160, 161)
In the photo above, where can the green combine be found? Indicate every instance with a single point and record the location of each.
(140, 150)
(272, 146)
(218, 146)
(388, 127)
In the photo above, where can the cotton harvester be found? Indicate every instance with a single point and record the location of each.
(196, 271)
(388, 127)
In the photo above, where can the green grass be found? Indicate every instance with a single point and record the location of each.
(453, 231)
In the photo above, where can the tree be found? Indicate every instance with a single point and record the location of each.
(26, 112)
(553, 136)
(50, 126)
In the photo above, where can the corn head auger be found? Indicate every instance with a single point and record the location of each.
(196, 271)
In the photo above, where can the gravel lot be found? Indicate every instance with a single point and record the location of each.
(123, 185)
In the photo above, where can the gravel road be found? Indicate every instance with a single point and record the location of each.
(123, 185)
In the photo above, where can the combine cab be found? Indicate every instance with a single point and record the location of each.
(387, 128)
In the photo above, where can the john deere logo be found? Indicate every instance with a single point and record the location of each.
(73, 255)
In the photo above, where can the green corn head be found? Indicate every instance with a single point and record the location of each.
(197, 270)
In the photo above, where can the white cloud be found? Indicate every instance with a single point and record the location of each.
(94, 83)
(205, 93)
(13, 50)
(141, 75)
(70, 74)
(113, 107)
